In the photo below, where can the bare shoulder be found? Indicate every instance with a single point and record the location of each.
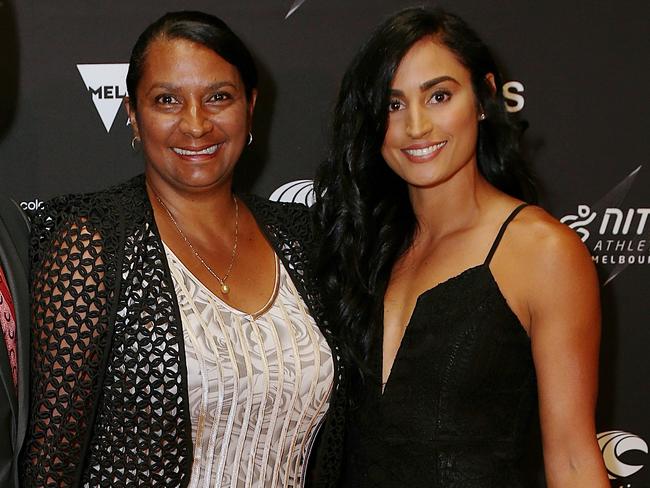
(546, 245)
(555, 272)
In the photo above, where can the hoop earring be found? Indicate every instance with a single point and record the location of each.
(250, 139)
(133, 141)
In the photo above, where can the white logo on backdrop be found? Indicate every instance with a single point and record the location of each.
(616, 236)
(294, 6)
(106, 84)
(31, 205)
(614, 444)
(299, 191)
(629, 222)
(579, 222)
(512, 92)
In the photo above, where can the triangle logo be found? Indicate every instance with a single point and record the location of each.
(106, 84)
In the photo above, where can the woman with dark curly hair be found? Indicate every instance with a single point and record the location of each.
(459, 302)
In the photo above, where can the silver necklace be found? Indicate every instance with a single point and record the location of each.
(225, 289)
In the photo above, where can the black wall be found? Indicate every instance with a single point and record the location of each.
(580, 68)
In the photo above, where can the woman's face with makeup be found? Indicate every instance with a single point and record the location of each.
(193, 116)
(433, 116)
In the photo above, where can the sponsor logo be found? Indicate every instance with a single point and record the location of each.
(614, 444)
(617, 236)
(294, 6)
(299, 191)
(106, 84)
(31, 205)
(512, 92)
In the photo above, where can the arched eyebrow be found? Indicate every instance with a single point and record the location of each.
(172, 87)
(434, 81)
(426, 85)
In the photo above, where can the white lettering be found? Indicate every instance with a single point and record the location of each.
(617, 224)
(31, 205)
(512, 93)
(643, 212)
(620, 259)
(628, 220)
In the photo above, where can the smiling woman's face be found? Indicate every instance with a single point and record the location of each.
(192, 117)
(432, 116)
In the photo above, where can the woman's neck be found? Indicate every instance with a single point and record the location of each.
(450, 206)
(202, 212)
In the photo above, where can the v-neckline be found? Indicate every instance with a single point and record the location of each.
(484, 265)
(422, 296)
(384, 386)
(212, 295)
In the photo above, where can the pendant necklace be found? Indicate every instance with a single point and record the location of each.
(225, 289)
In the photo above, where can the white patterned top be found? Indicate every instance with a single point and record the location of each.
(258, 384)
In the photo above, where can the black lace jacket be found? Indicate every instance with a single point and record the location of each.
(109, 395)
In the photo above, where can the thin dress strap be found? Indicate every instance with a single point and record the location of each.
(502, 230)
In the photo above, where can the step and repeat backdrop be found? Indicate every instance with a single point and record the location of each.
(576, 71)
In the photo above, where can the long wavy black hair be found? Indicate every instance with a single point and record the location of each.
(362, 206)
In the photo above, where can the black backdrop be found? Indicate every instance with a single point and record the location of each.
(577, 72)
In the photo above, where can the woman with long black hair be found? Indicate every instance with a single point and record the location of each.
(459, 301)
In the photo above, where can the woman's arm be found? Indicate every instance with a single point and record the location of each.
(564, 308)
(69, 311)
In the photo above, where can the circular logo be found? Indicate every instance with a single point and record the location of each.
(613, 444)
(299, 191)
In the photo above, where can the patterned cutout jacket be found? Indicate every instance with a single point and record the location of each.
(108, 373)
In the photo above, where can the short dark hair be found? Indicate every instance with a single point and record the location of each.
(201, 28)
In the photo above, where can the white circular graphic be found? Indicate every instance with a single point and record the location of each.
(299, 191)
(613, 444)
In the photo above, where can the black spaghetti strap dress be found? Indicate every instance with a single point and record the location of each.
(456, 408)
